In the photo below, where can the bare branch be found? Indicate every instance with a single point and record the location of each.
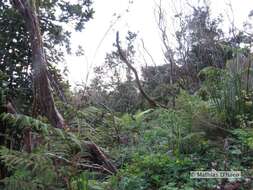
(152, 102)
(149, 54)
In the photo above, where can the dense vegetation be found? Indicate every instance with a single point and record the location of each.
(129, 132)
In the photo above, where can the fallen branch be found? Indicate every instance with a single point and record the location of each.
(94, 167)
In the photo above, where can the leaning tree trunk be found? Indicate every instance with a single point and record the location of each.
(151, 101)
(43, 96)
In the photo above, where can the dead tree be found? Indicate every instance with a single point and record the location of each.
(168, 53)
(43, 97)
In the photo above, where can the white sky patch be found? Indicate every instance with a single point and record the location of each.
(99, 33)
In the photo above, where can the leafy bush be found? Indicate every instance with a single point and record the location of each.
(161, 171)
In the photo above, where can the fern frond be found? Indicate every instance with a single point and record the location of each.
(19, 122)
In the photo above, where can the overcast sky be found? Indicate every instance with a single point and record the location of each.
(137, 16)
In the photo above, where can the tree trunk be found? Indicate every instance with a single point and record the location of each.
(43, 97)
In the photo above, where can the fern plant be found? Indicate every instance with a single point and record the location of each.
(29, 170)
(56, 157)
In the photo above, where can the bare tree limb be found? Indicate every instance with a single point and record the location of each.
(149, 54)
(151, 102)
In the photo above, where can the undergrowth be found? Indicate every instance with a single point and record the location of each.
(152, 149)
